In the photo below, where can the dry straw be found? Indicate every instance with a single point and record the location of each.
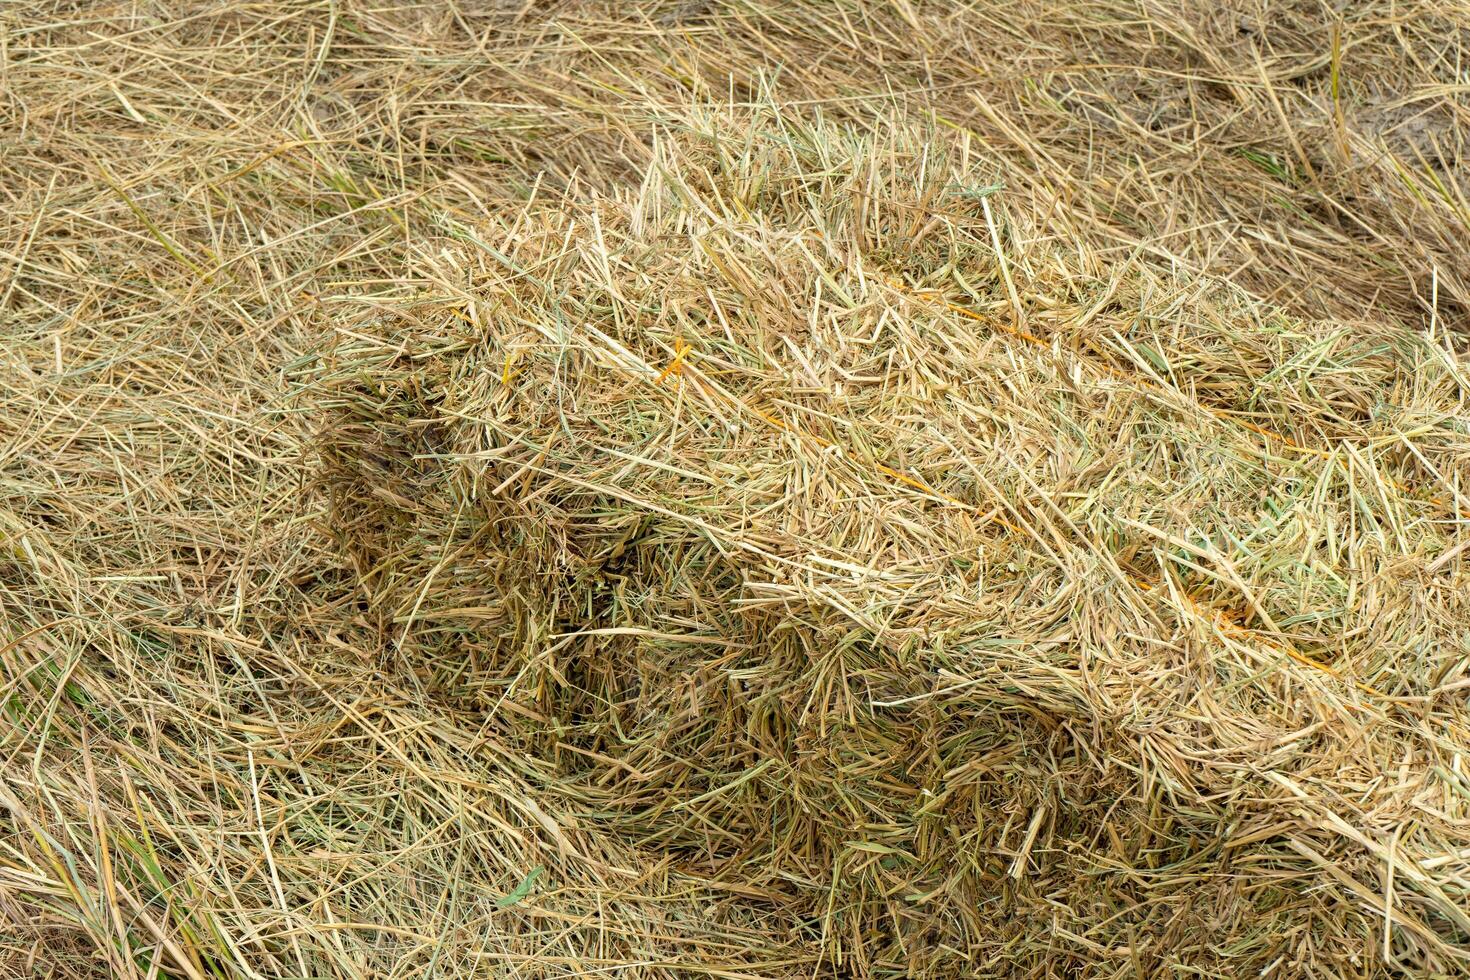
(795, 490)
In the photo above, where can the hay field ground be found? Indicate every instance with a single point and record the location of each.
(734, 488)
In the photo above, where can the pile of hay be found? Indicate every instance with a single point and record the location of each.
(854, 490)
(1086, 607)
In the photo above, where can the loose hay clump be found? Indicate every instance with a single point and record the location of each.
(841, 531)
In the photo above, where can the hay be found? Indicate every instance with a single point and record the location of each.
(711, 489)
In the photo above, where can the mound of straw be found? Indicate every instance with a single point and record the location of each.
(715, 489)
